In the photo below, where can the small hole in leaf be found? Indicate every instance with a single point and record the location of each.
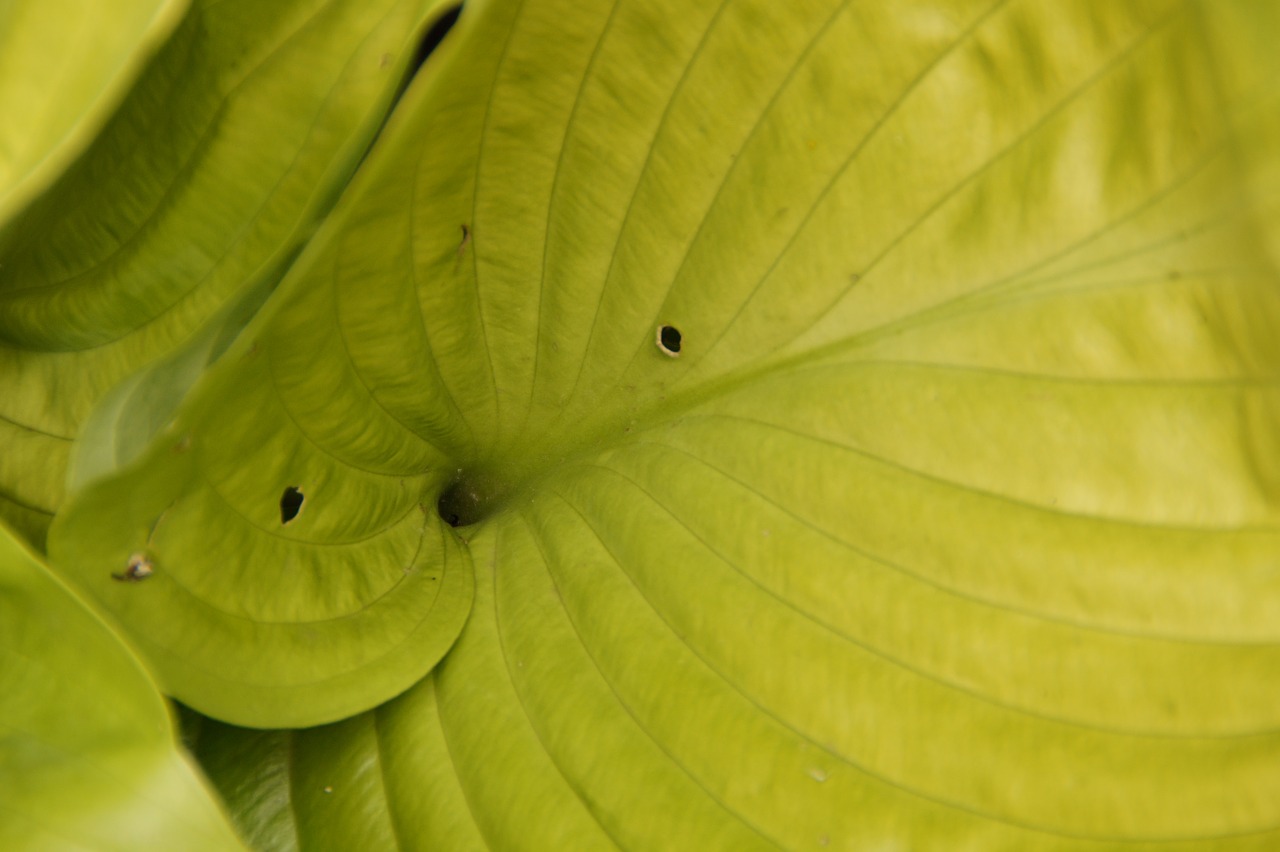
(434, 35)
(669, 340)
(290, 504)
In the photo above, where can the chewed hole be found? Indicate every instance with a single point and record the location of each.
(290, 504)
(669, 340)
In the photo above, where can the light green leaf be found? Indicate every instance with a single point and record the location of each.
(88, 758)
(64, 66)
(953, 525)
(321, 788)
(197, 194)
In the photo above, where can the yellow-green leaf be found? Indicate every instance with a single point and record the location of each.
(88, 758)
(953, 525)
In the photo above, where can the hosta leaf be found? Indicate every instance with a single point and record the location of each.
(88, 758)
(197, 194)
(320, 788)
(64, 66)
(953, 525)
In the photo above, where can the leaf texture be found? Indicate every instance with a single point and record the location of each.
(193, 199)
(88, 757)
(64, 67)
(952, 525)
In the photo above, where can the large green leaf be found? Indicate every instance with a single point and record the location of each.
(953, 525)
(196, 195)
(64, 66)
(88, 759)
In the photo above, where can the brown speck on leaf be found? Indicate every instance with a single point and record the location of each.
(386, 60)
(466, 238)
(139, 568)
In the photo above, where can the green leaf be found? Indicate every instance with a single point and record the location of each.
(196, 196)
(953, 525)
(88, 758)
(320, 788)
(64, 66)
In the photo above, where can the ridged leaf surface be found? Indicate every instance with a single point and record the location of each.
(952, 526)
(191, 201)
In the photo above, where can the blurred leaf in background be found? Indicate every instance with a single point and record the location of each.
(88, 754)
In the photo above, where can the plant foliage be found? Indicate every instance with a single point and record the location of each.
(950, 522)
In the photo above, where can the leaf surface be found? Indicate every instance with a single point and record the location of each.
(64, 66)
(952, 525)
(196, 195)
(88, 757)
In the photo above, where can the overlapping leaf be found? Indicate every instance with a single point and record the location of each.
(64, 66)
(952, 526)
(195, 196)
(88, 758)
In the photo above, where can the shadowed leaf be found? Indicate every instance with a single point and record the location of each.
(199, 191)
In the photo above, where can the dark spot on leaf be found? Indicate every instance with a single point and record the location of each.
(434, 35)
(431, 39)
(290, 504)
(669, 340)
(469, 498)
(453, 503)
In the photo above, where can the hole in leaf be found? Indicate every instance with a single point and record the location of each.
(290, 504)
(434, 35)
(669, 340)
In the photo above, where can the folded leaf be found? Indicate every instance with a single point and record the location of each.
(196, 195)
(64, 66)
